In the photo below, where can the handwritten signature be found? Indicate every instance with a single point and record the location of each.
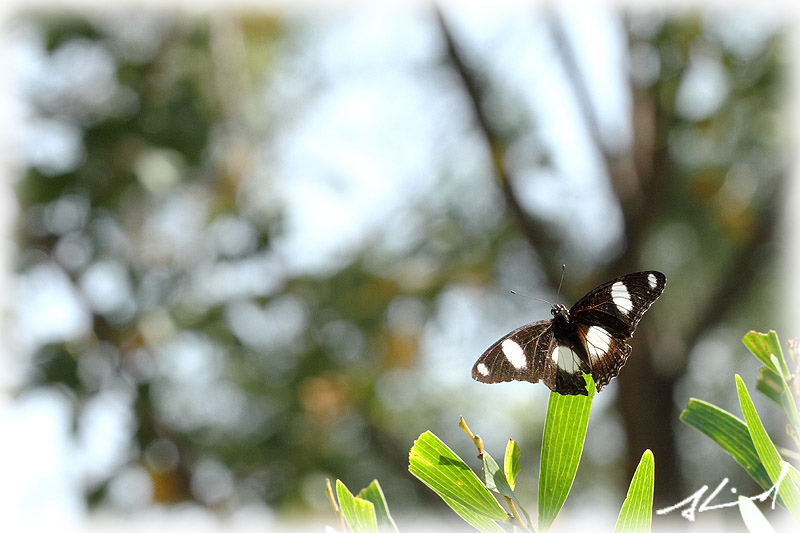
(693, 500)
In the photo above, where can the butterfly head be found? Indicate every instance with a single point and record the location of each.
(559, 312)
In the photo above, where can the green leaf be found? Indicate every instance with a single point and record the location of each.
(636, 514)
(511, 462)
(374, 494)
(359, 513)
(730, 432)
(445, 473)
(763, 345)
(767, 347)
(754, 519)
(793, 473)
(767, 452)
(562, 445)
(496, 481)
(769, 384)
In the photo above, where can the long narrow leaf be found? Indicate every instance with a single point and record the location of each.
(562, 445)
(636, 515)
(766, 450)
(374, 494)
(359, 513)
(444, 472)
(730, 432)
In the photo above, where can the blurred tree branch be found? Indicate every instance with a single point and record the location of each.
(534, 230)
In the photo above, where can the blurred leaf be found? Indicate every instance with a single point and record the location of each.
(359, 513)
(793, 473)
(444, 472)
(730, 433)
(767, 346)
(562, 444)
(769, 384)
(374, 494)
(511, 462)
(754, 520)
(763, 345)
(767, 452)
(636, 514)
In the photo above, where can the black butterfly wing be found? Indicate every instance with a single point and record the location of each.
(517, 356)
(607, 317)
(527, 354)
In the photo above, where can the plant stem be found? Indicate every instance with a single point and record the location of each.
(336, 508)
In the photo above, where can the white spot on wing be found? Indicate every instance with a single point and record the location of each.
(514, 354)
(621, 297)
(566, 359)
(651, 279)
(482, 370)
(598, 342)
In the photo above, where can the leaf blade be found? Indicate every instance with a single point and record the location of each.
(562, 445)
(359, 513)
(374, 494)
(636, 514)
(437, 466)
(769, 455)
(730, 433)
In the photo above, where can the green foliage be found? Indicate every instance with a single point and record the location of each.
(767, 452)
(358, 512)
(730, 433)
(562, 445)
(373, 493)
(747, 441)
(497, 482)
(367, 512)
(636, 514)
(444, 472)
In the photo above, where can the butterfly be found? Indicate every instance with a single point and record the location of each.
(589, 338)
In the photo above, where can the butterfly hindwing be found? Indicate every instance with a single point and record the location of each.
(605, 352)
(567, 368)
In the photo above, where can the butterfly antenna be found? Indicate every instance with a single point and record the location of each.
(563, 270)
(515, 293)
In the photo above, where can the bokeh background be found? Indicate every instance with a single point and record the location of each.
(252, 248)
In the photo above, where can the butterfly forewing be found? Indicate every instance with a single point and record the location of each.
(517, 356)
(590, 338)
(618, 305)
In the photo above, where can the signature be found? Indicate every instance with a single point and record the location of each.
(694, 499)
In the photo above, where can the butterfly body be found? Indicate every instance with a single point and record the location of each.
(588, 338)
